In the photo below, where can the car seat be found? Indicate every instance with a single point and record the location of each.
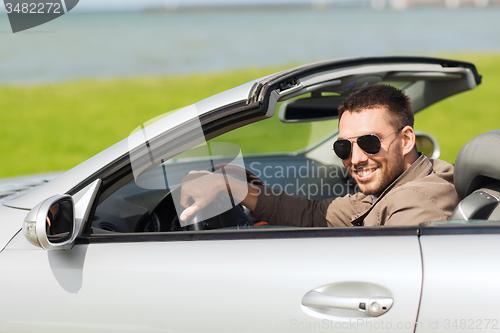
(477, 178)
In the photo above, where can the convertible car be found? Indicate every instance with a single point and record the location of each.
(101, 248)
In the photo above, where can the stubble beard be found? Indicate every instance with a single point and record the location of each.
(386, 174)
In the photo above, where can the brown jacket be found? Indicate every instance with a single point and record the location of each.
(423, 193)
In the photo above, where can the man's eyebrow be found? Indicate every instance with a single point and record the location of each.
(357, 136)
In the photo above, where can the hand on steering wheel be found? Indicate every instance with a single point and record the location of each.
(200, 188)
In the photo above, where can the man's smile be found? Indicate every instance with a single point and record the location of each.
(365, 174)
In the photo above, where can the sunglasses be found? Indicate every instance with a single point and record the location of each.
(369, 143)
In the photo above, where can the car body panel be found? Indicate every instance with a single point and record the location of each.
(461, 281)
(11, 222)
(16, 186)
(209, 286)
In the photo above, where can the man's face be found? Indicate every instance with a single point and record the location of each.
(373, 173)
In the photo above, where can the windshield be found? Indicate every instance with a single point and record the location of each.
(136, 206)
(273, 136)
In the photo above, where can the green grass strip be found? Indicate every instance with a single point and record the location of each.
(57, 126)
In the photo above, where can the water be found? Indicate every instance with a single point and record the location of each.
(103, 45)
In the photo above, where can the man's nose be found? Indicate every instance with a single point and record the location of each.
(358, 156)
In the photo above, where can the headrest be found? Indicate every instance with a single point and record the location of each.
(478, 163)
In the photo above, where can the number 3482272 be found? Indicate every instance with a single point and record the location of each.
(34, 8)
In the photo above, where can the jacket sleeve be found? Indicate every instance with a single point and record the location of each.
(288, 210)
(342, 211)
(281, 208)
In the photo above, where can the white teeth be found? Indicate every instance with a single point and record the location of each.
(365, 173)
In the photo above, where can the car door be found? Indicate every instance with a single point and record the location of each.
(220, 281)
(461, 281)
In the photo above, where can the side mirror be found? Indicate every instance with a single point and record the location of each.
(51, 223)
(427, 145)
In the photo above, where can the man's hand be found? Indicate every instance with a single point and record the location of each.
(203, 187)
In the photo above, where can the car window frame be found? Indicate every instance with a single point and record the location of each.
(260, 105)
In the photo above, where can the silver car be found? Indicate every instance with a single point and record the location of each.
(101, 248)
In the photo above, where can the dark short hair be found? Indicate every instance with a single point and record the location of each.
(394, 100)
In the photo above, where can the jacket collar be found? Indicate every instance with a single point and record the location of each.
(420, 168)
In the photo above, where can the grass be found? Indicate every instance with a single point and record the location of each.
(55, 127)
(458, 119)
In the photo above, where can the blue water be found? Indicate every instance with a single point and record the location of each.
(102, 45)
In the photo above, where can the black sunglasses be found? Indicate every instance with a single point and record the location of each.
(369, 143)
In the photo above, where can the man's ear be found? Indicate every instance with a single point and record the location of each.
(409, 139)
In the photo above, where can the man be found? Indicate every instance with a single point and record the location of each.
(399, 186)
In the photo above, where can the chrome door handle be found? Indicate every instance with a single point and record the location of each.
(374, 306)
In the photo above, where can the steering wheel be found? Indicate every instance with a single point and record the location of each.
(234, 217)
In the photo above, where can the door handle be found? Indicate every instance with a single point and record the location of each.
(374, 306)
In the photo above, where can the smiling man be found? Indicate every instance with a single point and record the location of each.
(398, 185)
